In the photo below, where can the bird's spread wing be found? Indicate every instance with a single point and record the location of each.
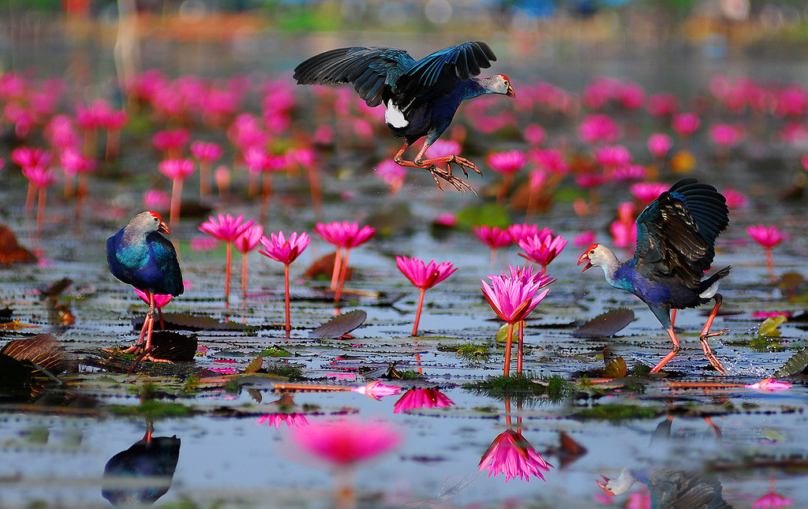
(369, 69)
(443, 68)
(165, 257)
(676, 233)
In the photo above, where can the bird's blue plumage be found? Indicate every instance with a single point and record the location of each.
(149, 263)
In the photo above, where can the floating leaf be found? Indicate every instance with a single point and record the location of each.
(254, 366)
(791, 280)
(615, 369)
(43, 349)
(174, 347)
(10, 250)
(796, 364)
(502, 333)
(340, 325)
(323, 268)
(606, 324)
(769, 326)
(189, 322)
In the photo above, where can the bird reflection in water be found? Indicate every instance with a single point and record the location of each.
(670, 488)
(143, 473)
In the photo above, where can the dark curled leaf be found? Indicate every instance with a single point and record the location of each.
(13, 373)
(339, 326)
(796, 364)
(42, 349)
(254, 366)
(6, 314)
(56, 288)
(323, 268)
(606, 324)
(615, 369)
(174, 347)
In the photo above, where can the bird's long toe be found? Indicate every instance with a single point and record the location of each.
(448, 177)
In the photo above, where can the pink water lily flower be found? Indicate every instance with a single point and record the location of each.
(285, 251)
(584, 239)
(646, 192)
(227, 229)
(171, 142)
(523, 231)
(542, 250)
(442, 148)
(599, 129)
(423, 277)
(346, 442)
(735, 199)
(768, 237)
(159, 302)
(511, 454)
(506, 164)
(772, 500)
(291, 420)
(392, 174)
(414, 399)
(345, 236)
(492, 237)
(177, 170)
(612, 156)
(377, 390)
(551, 160)
(659, 144)
(535, 134)
(685, 124)
(726, 135)
(206, 154)
(769, 384)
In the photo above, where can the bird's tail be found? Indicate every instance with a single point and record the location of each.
(709, 287)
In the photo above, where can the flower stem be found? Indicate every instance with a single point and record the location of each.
(769, 263)
(29, 198)
(113, 143)
(244, 275)
(204, 178)
(40, 211)
(342, 273)
(418, 313)
(337, 267)
(520, 348)
(176, 193)
(286, 281)
(493, 255)
(508, 340)
(227, 272)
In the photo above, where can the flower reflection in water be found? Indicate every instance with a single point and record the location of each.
(344, 444)
(421, 398)
(772, 500)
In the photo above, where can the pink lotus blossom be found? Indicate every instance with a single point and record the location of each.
(292, 420)
(206, 152)
(767, 237)
(584, 239)
(424, 276)
(177, 169)
(770, 314)
(611, 156)
(726, 135)
(344, 234)
(226, 227)
(73, 161)
(171, 141)
(639, 500)
(772, 500)
(492, 236)
(445, 219)
(628, 173)
(542, 250)
(685, 124)
(659, 144)
(203, 243)
(442, 148)
(511, 454)
(154, 199)
(535, 134)
(522, 231)
(507, 162)
(735, 199)
(551, 160)
(646, 192)
(285, 251)
(345, 442)
(159, 300)
(662, 105)
(623, 235)
(26, 156)
(39, 176)
(61, 133)
(538, 177)
(599, 129)
(305, 157)
(249, 239)
(632, 96)
(769, 384)
(414, 399)
(514, 296)
(377, 390)
(590, 180)
(392, 174)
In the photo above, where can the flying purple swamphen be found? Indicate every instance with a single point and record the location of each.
(675, 245)
(138, 255)
(420, 98)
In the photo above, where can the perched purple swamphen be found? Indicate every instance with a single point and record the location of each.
(138, 255)
(420, 98)
(675, 245)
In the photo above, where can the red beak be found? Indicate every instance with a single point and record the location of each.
(163, 228)
(603, 484)
(510, 92)
(585, 258)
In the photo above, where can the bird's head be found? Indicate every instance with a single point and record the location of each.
(591, 256)
(502, 85)
(619, 485)
(149, 221)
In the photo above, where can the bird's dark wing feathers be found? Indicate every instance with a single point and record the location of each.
(676, 233)
(443, 68)
(165, 256)
(369, 69)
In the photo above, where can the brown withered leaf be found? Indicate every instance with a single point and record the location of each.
(605, 324)
(16, 325)
(10, 250)
(340, 325)
(56, 288)
(324, 268)
(615, 369)
(42, 349)
(254, 366)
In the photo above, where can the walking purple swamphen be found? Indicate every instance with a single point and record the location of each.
(420, 98)
(140, 256)
(675, 245)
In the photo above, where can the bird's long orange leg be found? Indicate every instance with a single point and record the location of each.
(434, 170)
(705, 333)
(143, 330)
(672, 353)
(673, 317)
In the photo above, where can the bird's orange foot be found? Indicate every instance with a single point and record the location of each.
(448, 177)
(121, 350)
(150, 358)
(464, 164)
(709, 353)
